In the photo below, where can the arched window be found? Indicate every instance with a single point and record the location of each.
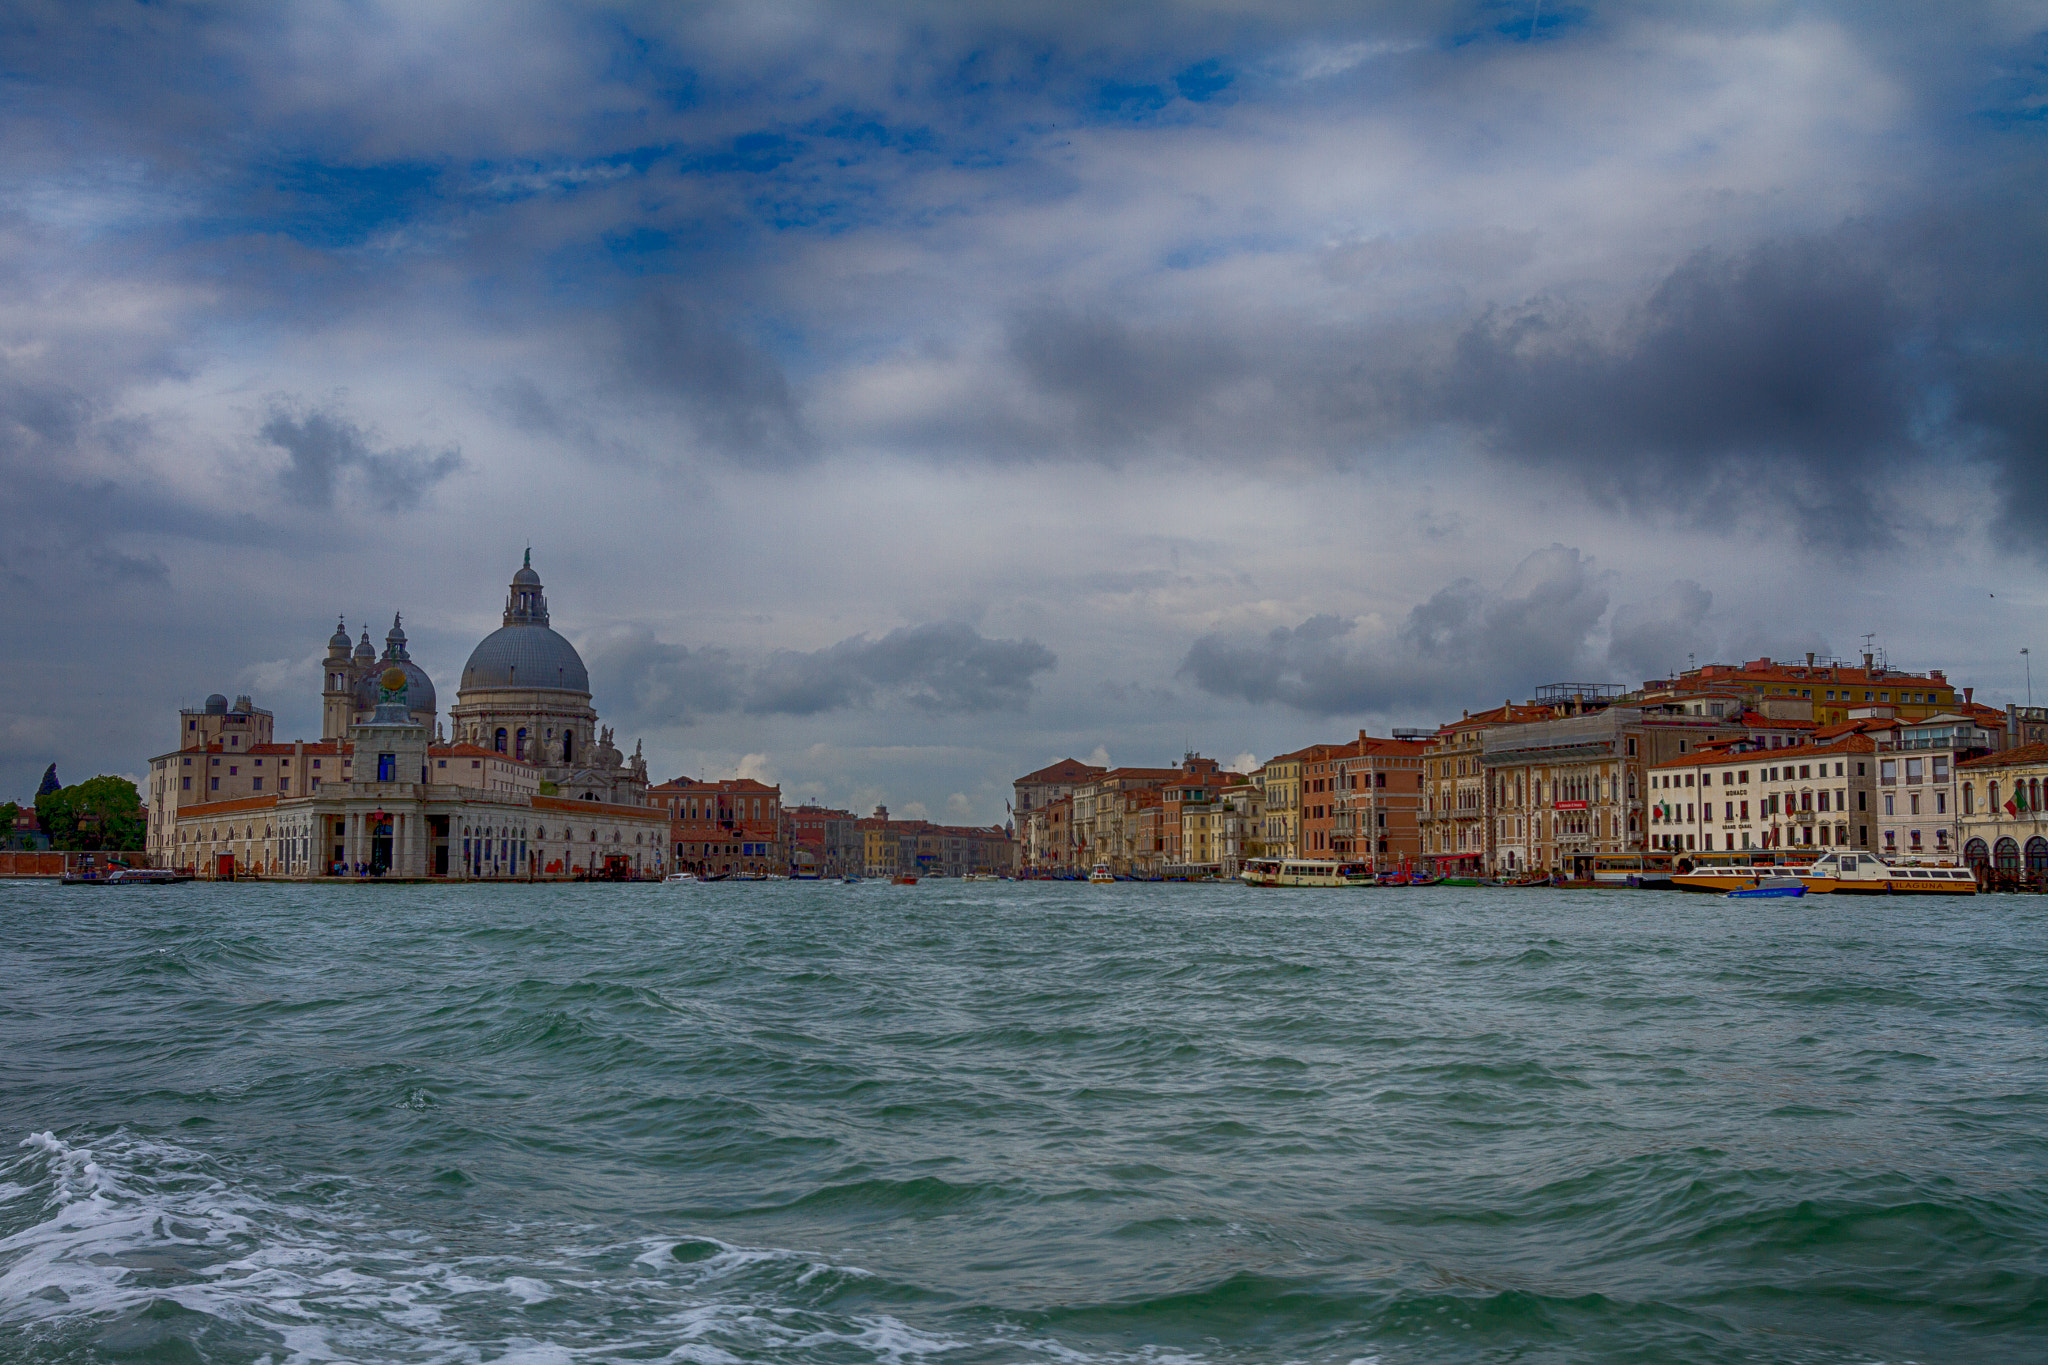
(568, 746)
(1991, 797)
(519, 743)
(1969, 805)
(2037, 857)
(2006, 856)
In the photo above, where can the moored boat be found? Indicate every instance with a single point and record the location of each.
(1100, 874)
(1770, 887)
(1304, 872)
(1649, 870)
(1841, 874)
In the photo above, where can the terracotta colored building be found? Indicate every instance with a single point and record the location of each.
(731, 825)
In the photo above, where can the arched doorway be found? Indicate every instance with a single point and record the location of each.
(2037, 858)
(2005, 856)
(1977, 854)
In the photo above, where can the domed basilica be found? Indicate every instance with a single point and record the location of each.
(524, 693)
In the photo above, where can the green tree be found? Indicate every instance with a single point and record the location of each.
(100, 813)
(8, 810)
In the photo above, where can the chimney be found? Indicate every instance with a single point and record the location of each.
(1869, 660)
(1968, 693)
(1809, 658)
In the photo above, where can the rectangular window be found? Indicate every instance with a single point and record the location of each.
(387, 767)
(187, 786)
(256, 784)
(1915, 770)
(216, 784)
(1888, 804)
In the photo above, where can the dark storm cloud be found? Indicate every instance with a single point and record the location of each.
(2005, 400)
(732, 394)
(1120, 384)
(1782, 369)
(38, 417)
(663, 683)
(1464, 645)
(945, 668)
(1651, 638)
(322, 448)
(942, 668)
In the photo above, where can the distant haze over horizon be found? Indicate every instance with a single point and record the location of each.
(900, 397)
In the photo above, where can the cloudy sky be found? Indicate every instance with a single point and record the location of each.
(900, 397)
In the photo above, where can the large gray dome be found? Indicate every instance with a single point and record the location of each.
(523, 657)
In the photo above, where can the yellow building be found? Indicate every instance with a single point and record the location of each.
(1280, 796)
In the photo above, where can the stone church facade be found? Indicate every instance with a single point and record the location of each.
(530, 784)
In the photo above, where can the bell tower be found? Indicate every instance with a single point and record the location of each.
(338, 688)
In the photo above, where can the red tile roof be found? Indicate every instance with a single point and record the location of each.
(1849, 744)
(1067, 771)
(603, 809)
(206, 810)
(2009, 758)
(467, 750)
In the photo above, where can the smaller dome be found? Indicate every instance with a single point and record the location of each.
(419, 688)
(526, 577)
(216, 705)
(339, 640)
(363, 650)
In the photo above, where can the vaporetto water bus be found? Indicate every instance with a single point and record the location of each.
(1633, 869)
(1843, 874)
(1304, 872)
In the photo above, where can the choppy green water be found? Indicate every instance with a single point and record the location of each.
(960, 1123)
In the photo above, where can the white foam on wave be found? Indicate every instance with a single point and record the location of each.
(129, 1221)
